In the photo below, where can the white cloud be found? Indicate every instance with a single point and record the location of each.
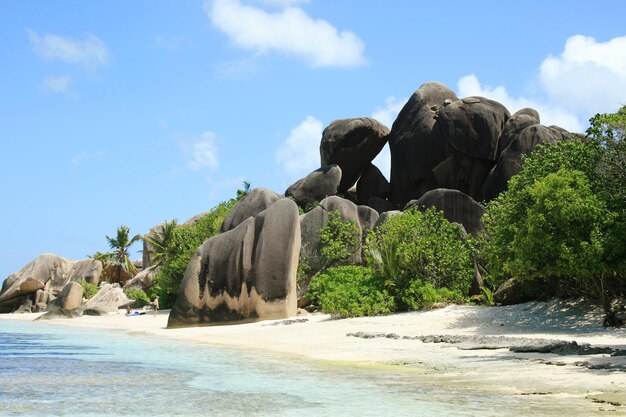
(588, 77)
(550, 113)
(203, 152)
(290, 31)
(300, 154)
(90, 52)
(387, 114)
(58, 84)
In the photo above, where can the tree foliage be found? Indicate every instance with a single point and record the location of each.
(560, 226)
(418, 254)
(350, 291)
(340, 241)
(120, 245)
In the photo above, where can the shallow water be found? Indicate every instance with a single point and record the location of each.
(51, 370)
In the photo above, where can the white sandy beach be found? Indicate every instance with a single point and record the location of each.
(481, 362)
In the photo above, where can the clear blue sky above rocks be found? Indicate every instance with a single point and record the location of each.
(134, 112)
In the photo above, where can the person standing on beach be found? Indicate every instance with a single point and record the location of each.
(155, 303)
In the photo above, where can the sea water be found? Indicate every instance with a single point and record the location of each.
(48, 370)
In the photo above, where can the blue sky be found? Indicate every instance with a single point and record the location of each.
(135, 112)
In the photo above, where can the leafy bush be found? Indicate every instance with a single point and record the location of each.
(416, 252)
(136, 294)
(340, 241)
(89, 289)
(350, 291)
(184, 241)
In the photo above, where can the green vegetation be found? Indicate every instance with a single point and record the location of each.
(350, 291)
(422, 258)
(340, 241)
(560, 228)
(137, 294)
(89, 289)
(119, 256)
(161, 242)
(180, 247)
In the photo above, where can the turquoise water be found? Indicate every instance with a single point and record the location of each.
(57, 371)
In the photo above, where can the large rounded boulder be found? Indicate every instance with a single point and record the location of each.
(352, 144)
(247, 273)
(415, 143)
(250, 205)
(316, 186)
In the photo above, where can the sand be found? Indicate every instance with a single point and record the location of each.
(474, 355)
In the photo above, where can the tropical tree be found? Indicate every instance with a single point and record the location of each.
(161, 242)
(120, 246)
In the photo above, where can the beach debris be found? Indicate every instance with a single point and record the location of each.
(287, 322)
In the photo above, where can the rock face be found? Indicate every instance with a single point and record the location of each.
(109, 298)
(372, 186)
(70, 297)
(49, 273)
(316, 186)
(247, 273)
(471, 145)
(456, 206)
(352, 144)
(313, 222)
(250, 205)
(416, 145)
(143, 280)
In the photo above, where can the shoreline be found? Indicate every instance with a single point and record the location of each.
(467, 348)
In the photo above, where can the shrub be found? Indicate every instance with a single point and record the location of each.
(89, 289)
(340, 241)
(422, 249)
(184, 241)
(350, 291)
(136, 294)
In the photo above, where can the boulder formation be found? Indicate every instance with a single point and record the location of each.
(313, 222)
(47, 273)
(316, 186)
(352, 144)
(246, 273)
(250, 205)
(110, 297)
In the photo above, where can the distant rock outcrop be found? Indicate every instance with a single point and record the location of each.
(109, 297)
(247, 273)
(48, 273)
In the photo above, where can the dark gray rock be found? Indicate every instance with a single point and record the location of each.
(473, 126)
(250, 205)
(510, 160)
(385, 216)
(244, 274)
(352, 144)
(464, 173)
(456, 206)
(143, 280)
(316, 186)
(416, 144)
(511, 292)
(372, 184)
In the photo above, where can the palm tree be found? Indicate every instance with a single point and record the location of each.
(160, 242)
(120, 245)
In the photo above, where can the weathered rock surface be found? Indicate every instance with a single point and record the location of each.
(143, 280)
(456, 206)
(46, 272)
(117, 274)
(313, 222)
(250, 205)
(70, 297)
(372, 184)
(147, 252)
(247, 273)
(316, 186)
(416, 145)
(352, 144)
(109, 298)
